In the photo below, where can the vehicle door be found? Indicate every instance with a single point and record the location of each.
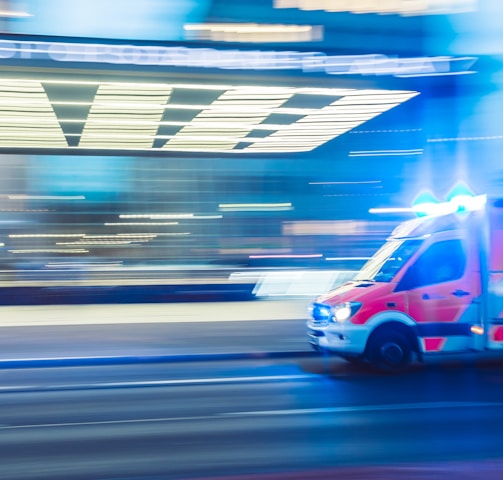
(443, 290)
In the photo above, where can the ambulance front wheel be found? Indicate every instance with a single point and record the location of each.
(389, 350)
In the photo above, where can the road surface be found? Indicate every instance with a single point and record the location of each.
(243, 417)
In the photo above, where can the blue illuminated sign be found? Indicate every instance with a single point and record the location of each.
(234, 59)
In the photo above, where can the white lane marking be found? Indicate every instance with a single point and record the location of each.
(366, 408)
(15, 388)
(156, 383)
(198, 381)
(305, 411)
(107, 422)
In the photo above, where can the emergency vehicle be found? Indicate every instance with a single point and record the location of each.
(434, 289)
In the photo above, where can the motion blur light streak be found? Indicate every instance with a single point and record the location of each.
(391, 210)
(299, 283)
(138, 224)
(313, 255)
(46, 197)
(401, 7)
(362, 182)
(159, 216)
(14, 14)
(49, 250)
(381, 153)
(325, 227)
(256, 207)
(465, 139)
(47, 235)
(252, 32)
(334, 259)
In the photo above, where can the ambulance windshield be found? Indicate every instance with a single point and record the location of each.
(388, 260)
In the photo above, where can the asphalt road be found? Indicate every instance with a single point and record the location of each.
(262, 417)
(259, 417)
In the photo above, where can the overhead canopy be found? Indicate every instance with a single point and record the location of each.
(66, 113)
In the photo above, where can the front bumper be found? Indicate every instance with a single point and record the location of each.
(342, 339)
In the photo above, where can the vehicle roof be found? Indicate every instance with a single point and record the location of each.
(422, 226)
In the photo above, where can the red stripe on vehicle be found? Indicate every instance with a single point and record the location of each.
(433, 344)
(497, 334)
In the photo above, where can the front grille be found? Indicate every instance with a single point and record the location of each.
(318, 323)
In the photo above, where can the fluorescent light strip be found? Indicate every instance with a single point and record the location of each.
(339, 92)
(209, 125)
(368, 106)
(108, 105)
(134, 138)
(46, 235)
(29, 91)
(228, 102)
(48, 250)
(137, 224)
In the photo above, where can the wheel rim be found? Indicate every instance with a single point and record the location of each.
(392, 353)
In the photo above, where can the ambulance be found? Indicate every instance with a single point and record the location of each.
(433, 290)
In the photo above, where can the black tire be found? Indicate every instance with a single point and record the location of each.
(389, 351)
(354, 360)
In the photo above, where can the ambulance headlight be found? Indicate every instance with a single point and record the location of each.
(344, 311)
(321, 312)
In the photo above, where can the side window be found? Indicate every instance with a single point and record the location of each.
(441, 262)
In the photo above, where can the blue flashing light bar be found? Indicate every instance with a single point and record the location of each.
(457, 204)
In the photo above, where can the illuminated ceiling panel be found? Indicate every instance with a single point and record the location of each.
(240, 109)
(72, 115)
(27, 118)
(144, 109)
(339, 117)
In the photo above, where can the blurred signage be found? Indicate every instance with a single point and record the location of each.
(401, 7)
(252, 32)
(234, 59)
